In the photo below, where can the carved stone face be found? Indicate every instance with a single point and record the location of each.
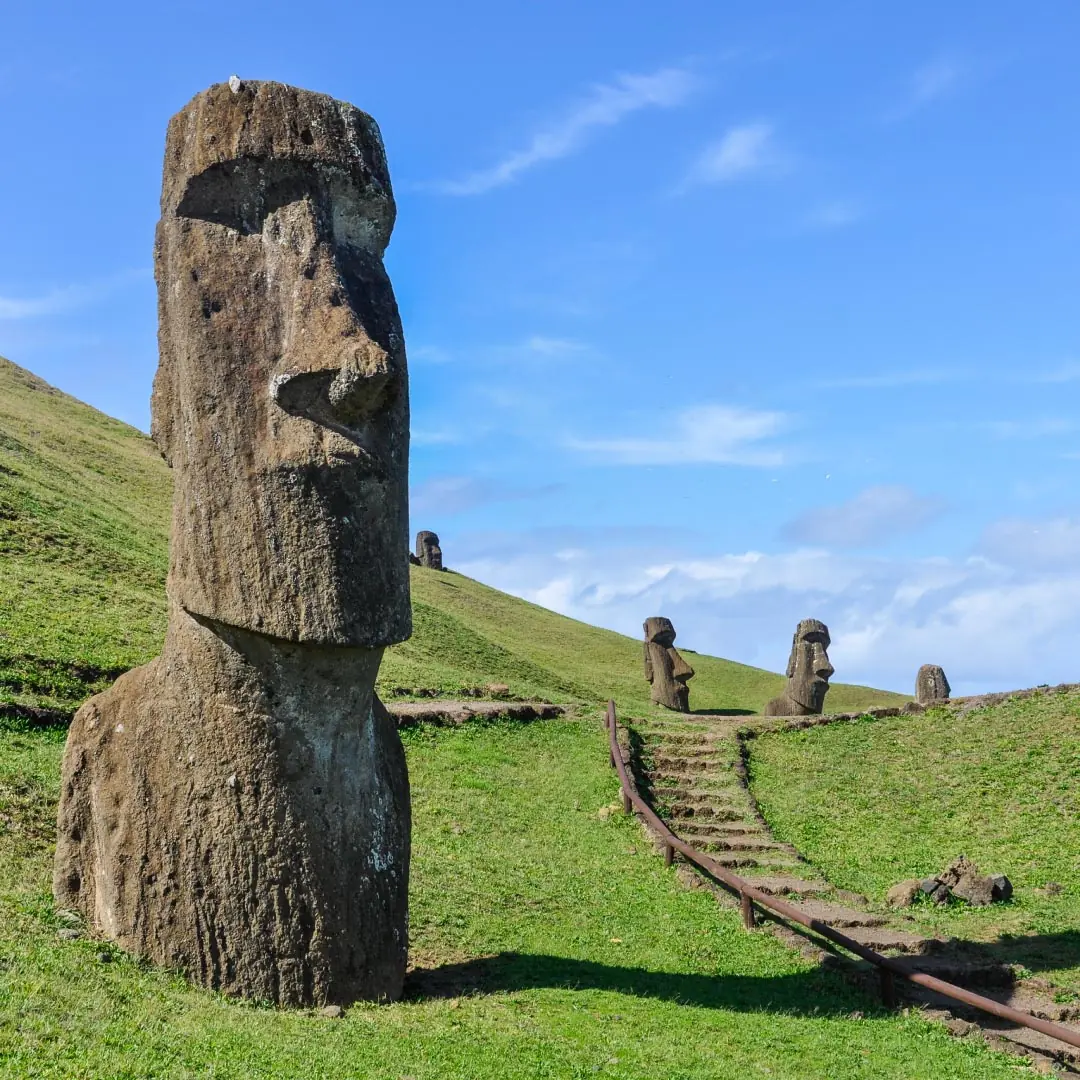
(428, 551)
(665, 668)
(808, 669)
(281, 399)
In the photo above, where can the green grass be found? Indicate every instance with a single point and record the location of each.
(877, 801)
(84, 507)
(550, 943)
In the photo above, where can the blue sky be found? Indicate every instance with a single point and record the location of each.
(737, 313)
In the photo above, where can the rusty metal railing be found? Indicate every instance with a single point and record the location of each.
(887, 967)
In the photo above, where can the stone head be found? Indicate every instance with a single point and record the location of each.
(660, 631)
(281, 398)
(931, 685)
(808, 668)
(428, 550)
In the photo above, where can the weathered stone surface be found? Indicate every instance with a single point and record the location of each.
(903, 893)
(976, 889)
(239, 807)
(808, 673)
(667, 672)
(931, 686)
(428, 552)
(952, 873)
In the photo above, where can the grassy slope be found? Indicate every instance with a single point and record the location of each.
(566, 950)
(83, 553)
(878, 801)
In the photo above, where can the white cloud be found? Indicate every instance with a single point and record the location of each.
(1018, 542)
(870, 517)
(927, 84)
(67, 298)
(1039, 428)
(991, 626)
(704, 434)
(740, 152)
(456, 494)
(892, 380)
(835, 214)
(934, 80)
(606, 105)
(548, 346)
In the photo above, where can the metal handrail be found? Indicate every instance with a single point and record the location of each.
(749, 896)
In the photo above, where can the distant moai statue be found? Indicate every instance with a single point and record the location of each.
(931, 686)
(808, 673)
(665, 669)
(428, 552)
(239, 807)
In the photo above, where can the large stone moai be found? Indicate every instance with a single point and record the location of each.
(931, 686)
(665, 669)
(239, 807)
(428, 552)
(808, 673)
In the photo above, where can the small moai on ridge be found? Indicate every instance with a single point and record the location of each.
(665, 669)
(808, 673)
(428, 552)
(239, 807)
(931, 686)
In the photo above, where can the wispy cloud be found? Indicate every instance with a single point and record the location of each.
(927, 84)
(1036, 428)
(1066, 373)
(742, 151)
(430, 354)
(606, 105)
(835, 214)
(893, 380)
(705, 434)
(870, 517)
(68, 297)
(456, 494)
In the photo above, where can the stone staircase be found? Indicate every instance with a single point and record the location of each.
(689, 768)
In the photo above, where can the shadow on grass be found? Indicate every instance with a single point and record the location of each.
(723, 712)
(807, 993)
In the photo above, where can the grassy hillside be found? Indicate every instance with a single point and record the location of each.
(83, 554)
(877, 801)
(548, 942)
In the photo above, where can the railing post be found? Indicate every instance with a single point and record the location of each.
(747, 906)
(669, 854)
(626, 802)
(888, 988)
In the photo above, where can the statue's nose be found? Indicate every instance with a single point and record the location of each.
(342, 393)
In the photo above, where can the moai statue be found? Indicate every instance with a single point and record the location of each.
(428, 551)
(239, 807)
(665, 669)
(808, 673)
(931, 686)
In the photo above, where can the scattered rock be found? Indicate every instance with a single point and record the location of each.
(333, 1012)
(960, 866)
(903, 893)
(976, 889)
(606, 811)
(913, 708)
(929, 885)
(1052, 888)
(1003, 889)
(104, 957)
(69, 933)
(498, 690)
(959, 1027)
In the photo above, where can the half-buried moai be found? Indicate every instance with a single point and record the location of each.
(239, 807)
(428, 551)
(931, 686)
(808, 673)
(665, 669)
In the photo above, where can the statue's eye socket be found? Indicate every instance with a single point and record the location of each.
(242, 194)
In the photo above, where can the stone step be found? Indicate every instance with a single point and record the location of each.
(885, 939)
(837, 915)
(705, 812)
(718, 827)
(786, 885)
(726, 842)
(736, 860)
